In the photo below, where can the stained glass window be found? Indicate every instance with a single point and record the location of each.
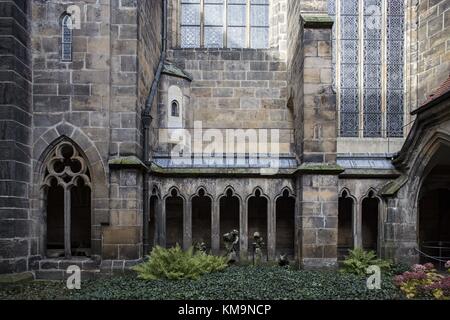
(237, 23)
(66, 39)
(365, 31)
(225, 23)
(190, 23)
(259, 24)
(214, 23)
(349, 95)
(395, 39)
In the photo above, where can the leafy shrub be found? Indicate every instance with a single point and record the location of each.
(399, 268)
(447, 265)
(359, 260)
(176, 264)
(423, 281)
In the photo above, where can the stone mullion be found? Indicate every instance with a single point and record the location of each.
(271, 229)
(187, 224)
(243, 230)
(67, 205)
(215, 227)
(163, 221)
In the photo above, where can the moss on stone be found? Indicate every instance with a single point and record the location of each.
(320, 168)
(394, 186)
(16, 278)
(131, 161)
(317, 20)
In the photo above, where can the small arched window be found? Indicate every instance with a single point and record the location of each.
(175, 109)
(66, 38)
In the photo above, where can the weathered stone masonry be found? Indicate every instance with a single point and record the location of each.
(95, 104)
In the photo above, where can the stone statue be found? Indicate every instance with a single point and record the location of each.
(258, 243)
(283, 261)
(231, 241)
(201, 247)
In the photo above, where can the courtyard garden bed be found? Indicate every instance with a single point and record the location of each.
(235, 283)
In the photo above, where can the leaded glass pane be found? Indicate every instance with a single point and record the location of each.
(260, 38)
(395, 125)
(395, 76)
(349, 76)
(349, 113)
(190, 14)
(372, 52)
(349, 100)
(349, 27)
(236, 37)
(190, 37)
(349, 7)
(395, 27)
(66, 39)
(237, 15)
(213, 15)
(349, 124)
(372, 76)
(349, 51)
(259, 16)
(395, 7)
(395, 52)
(213, 37)
(331, 7)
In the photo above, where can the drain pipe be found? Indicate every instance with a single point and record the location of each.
(147, 120)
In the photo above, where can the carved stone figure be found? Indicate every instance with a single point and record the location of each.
(258, 244)
(231, 241)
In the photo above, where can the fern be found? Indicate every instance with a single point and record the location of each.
(176, 264)
(359, 260)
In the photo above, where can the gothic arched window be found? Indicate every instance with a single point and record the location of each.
(66, 38)
(175, 109)
(67, 184)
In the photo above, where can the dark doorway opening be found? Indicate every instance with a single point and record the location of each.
(285, 225)
(257, 219)
(80, 221)
(370, 212)
(55, 221)
(151, 224)
(345, 225)
(229, 215)
(201, 219)
(174, 220)
(434, 216)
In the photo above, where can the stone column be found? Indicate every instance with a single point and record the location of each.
(187, 225)
(243, 230)
(162, 224)
(271, 230)
(215, 228)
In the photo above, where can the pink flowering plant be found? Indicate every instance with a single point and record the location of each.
(423, 281)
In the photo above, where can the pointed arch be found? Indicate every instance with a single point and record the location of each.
(201, 215)
(67, 189)
(258, 208)
(43, 147)
(371, 222)
(284, 221)
(347, 222)
(175, 206)
(230, 207)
